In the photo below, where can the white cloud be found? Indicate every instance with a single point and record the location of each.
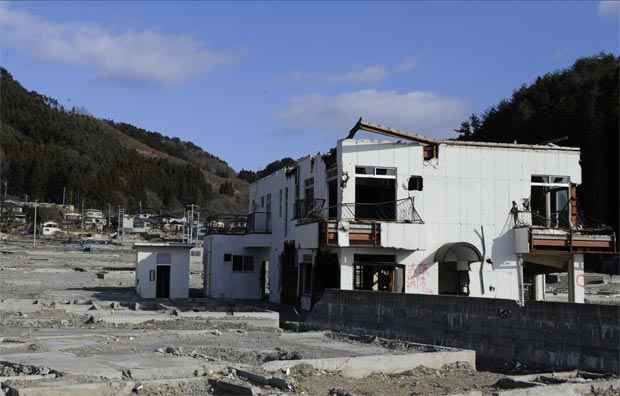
(609, 8)
(417, 111)
(143, 55)
(359, 75)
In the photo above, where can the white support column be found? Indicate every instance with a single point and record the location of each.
(576, 279)
(520, 278)
(345, 260)
(539, 282)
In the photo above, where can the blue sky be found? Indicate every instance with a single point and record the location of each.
(254, 82)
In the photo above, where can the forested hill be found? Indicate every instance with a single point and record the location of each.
(581, 104)
(46, 148)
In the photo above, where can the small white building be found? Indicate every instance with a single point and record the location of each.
(162, 270)
(413, 215)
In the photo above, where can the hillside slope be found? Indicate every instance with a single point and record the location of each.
(574, 107)
(48, 149)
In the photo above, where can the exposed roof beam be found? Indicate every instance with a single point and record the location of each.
(375, 128)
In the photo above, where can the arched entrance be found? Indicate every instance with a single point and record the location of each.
(454, 259)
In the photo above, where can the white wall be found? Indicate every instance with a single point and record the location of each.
(220, 280)
(146, 261)
(465, 188)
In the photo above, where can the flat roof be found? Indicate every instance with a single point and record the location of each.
(164, 244)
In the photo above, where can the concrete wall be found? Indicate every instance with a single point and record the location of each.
(557, 335)
(146, 261)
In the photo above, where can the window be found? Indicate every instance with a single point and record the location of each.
(416, 183)
(243, 263)
(248, 263)
(375, 171)
(164, 258)
(269, 203)
(196, 253)
(227, 257)
(309, 182)
(151, 275)
(280, 204)
(285, 211)
(378, 273)
(262, 201)
(549, 202)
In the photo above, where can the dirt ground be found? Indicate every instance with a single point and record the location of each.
(68, 318)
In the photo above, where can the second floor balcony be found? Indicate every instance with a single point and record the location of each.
(399, 211)
(386, 224)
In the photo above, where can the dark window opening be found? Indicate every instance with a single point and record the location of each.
(375, 199)
(243, 263)
(378, 273)
(430, 152)
(416, 183)
(332, 192)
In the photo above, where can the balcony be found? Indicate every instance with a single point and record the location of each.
(253, 223)
(555, 233)
(388, 224)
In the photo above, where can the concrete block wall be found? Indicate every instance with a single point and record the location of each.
(556, 335)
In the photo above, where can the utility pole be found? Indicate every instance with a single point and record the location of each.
(64, 194)
(34, 234)
(5, 187)
(82, 215)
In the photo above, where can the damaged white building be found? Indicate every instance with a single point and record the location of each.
(411, 215)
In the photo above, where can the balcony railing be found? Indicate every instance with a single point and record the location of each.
(557, 233)
(256, 222)
(402, 210)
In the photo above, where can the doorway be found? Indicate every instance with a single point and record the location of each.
(163, 282)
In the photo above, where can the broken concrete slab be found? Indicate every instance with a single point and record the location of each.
(228, 387)
(361, 366)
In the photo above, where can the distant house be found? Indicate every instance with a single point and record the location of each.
(162, 270)
(13, 213)
(94, 219)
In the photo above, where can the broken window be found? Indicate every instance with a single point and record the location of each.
(378, 273)
(416, 183)
(375, 198)
(549, 201)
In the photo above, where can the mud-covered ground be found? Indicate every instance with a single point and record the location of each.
(70, 317)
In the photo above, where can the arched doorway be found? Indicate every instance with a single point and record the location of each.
(454, 259)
